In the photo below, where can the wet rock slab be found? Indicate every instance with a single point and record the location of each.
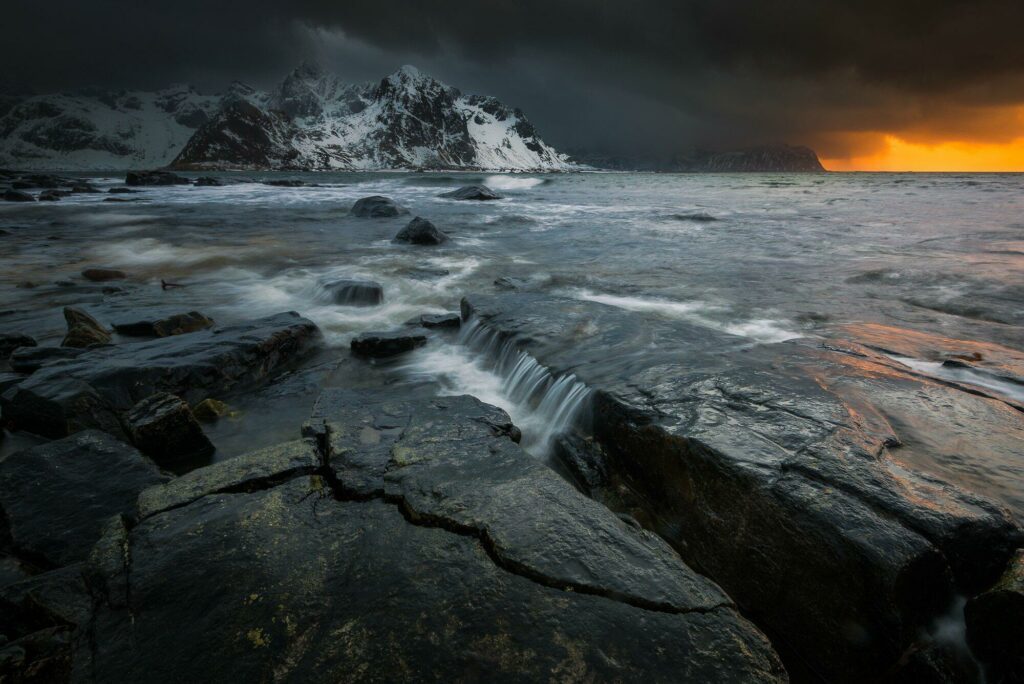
(57, 497)
(163, 326)
(424, 546)
(384, 344)
(97, 387)
(770, 469)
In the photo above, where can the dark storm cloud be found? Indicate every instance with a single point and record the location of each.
(654, 73)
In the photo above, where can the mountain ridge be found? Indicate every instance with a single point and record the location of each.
(310, 121)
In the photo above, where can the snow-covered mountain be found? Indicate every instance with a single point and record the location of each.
(96, 129)
(311, 121)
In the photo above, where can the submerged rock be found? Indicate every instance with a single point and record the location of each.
(102, 275)
(175, 324)
(162, 426)
(448, 320)
(995, 624)
(98, 388)
(408, 532)
(17, 196)
(211, 410)
(355, 292)
(768, 468)
(420, 231)
(377, 206)
(9, 342)
(57, 497)
(121, 191)
(154, 178)
(472, 192)
(207, 182)
(83, 330)
(50, 196)
(384, 344)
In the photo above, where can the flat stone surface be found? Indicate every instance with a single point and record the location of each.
(293, 576)
(249, 471)
(385, 344)
(771, 469)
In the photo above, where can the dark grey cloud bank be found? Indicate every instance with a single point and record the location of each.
(656, 75)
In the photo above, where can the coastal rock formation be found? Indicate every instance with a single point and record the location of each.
(97, 387)
(56, 498)
(377, 206)
(403, 532)
(9, 342)
(355, 292)
(154, 178)
(772, 470)
(420, 231)
(472, 192)
(162, 427)
(383, 344)
(83, 330)
(164, 326)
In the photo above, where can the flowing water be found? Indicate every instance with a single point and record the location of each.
(764, 256)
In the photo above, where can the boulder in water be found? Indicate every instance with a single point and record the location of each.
(11, 341)
(57, 497)
(18, 196)
(211, 410)
(50, 196)
(207, 182)
(154, 178)
(350, 292)
(121, 191)
(384, 344)
(377, 206)
(101, 275)
(472, 192)
(84, 188)
(420, 231)
(83, 330)
(175, 324)
(162, 426)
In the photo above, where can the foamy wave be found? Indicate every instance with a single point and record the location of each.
(764, 330)
(512, 182)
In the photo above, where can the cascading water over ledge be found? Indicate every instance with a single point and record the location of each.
(496, 371)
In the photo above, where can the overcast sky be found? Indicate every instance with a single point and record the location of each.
(649, 75)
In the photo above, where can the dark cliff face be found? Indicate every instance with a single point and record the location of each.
(243, 136)
(767, 159)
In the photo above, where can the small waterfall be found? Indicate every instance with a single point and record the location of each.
(495, 371)
(548, 405)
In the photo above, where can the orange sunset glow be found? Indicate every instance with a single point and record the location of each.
(901, 155)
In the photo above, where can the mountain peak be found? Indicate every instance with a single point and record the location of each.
(308, 68)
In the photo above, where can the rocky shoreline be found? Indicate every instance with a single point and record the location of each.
(712, 511)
